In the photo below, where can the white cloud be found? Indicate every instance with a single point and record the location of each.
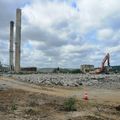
(77, 48)
(45, 14)
(115, 49)
(105, 34)
(94, 12)
(108, 37)
(55, 32)
(70, 25)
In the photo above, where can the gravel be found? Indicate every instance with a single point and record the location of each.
(3, 87)
(72, 80)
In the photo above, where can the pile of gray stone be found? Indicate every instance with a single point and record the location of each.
(72, 80)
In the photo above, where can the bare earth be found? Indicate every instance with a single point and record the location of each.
(24, 101)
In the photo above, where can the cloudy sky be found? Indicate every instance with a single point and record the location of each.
(64, 33)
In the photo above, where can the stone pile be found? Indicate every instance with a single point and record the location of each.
(72, 80)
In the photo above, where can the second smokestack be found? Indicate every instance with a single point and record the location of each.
(11, 45)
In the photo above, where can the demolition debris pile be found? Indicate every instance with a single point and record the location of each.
(72, 80)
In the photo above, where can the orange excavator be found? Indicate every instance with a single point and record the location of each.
(102, 68)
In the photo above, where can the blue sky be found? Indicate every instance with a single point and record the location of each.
(64, 33)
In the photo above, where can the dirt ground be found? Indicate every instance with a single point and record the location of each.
(23, 101)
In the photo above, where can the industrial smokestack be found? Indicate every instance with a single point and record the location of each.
(11, 45)
(18, 40)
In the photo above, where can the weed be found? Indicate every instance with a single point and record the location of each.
(13, 107)
(31, 111)
(69, 104)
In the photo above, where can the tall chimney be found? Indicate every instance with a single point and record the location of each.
(11, 46)
(18, 40)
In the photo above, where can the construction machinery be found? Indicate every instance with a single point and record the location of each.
(102, 68)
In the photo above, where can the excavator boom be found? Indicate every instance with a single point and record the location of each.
(102, 68)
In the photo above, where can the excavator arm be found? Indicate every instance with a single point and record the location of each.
(102, 68)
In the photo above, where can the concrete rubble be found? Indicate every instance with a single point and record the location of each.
(72, 80)
(3, 87)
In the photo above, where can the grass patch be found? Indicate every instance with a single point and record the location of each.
(13, 107)
(31, 112)
(70, 104)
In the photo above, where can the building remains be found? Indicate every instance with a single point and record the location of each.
(29, 69)
(86, 68)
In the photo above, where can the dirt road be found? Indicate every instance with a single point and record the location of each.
(24, 101)
(101, 95)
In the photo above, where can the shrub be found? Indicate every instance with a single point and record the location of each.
(69, 104)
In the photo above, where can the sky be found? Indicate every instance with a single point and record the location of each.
(64, 33)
